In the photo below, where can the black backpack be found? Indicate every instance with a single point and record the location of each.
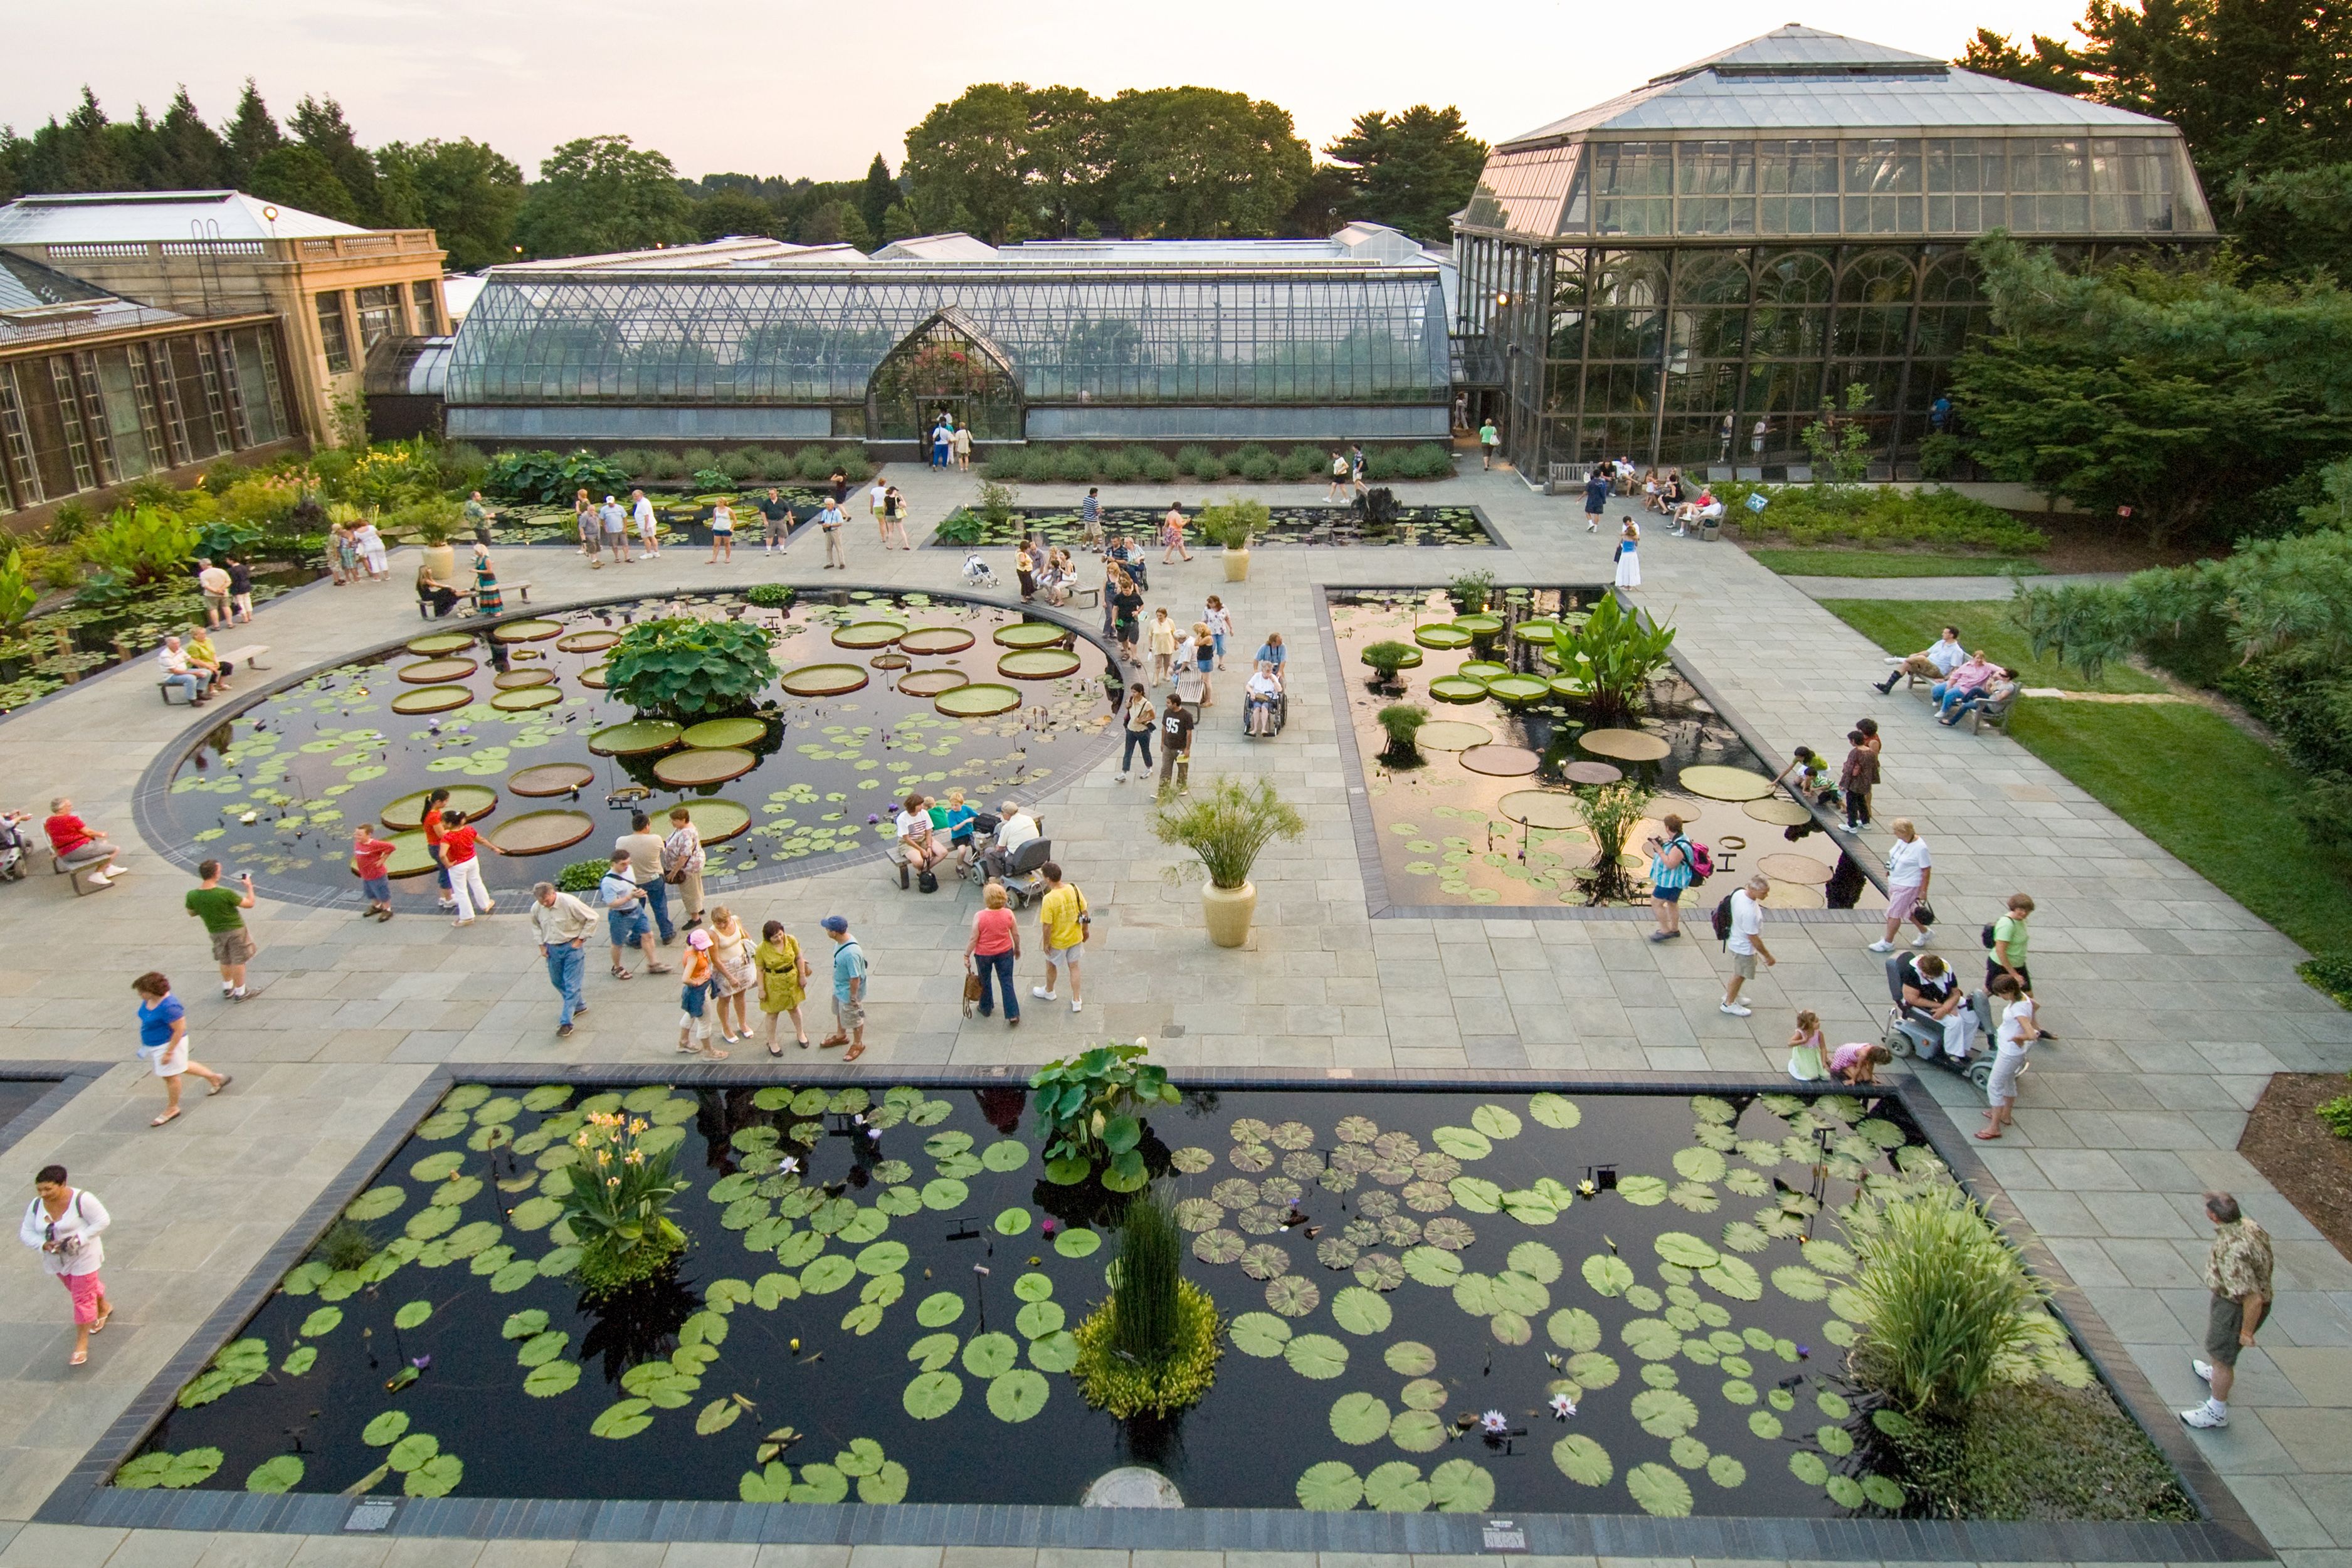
(1721, 918)
(1986, 936)
(927, 881)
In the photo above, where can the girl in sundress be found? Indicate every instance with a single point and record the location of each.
(486, 597)
(733, 972)
(1628, 562)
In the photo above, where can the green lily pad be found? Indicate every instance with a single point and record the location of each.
(991, 1354)
(625, 1418)
(1017, 1394)
(1700, 1164)
(1659, 1490)
(939, 1309)
(1359, 1418)
(1582, 1460)
(1360, 1312)
(932, 1394)
(1434, 1266)
(1057, 1351)
(1607, 1273)
(1039, 1319)
(1462, 1143)
(1011, 1222)
(281, 1474)
(1397, 1487)
(411, 1315)
(1555, 1110)
(1330, 1486)
(1078, 1243)
(1315, 1356)
(827, 1274)
(1536, 1262)
(1642, 1191)
(1409, 1358)
(635, 738)
(1809, 1467)
(1461, 1486)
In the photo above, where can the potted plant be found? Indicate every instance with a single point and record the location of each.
(1470, 590)
(1228, 825)
(432, 522)
(1386, 658)
(1402, 721)
(1231, 523)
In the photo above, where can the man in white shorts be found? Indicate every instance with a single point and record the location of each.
(643, 511)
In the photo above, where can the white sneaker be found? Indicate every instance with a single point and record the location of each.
(1042, 994)
(100, 881)
(1881, 947)
(1735, 1011)
(2205, 1416)
(1076, 1006)
(2203, 1369)
(1923, 939)
(1120, 780)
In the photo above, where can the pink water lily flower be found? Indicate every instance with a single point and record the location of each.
(1494, 1423)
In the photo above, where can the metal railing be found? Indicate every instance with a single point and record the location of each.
(381, 243)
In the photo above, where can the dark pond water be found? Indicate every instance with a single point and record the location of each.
(18, 1095)
(1432, 527)
(275, 789)
(682, 518)
(1456, 830)
(1691, 1308)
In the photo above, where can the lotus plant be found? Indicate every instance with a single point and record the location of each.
(617, 1205)
(1088, 1105)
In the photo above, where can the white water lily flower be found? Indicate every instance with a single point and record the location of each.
(1494, 1422)
(1562, 1407)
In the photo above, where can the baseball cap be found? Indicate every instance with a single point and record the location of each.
(835, 924)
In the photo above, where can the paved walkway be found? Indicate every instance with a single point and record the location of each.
(1938, 587)
(2174, 1004)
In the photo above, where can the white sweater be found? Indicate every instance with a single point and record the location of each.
(84, 1217)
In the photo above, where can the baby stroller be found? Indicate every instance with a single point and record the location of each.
(1924, 1041)
(976, 573)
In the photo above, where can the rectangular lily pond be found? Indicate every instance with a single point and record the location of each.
(1533, 1303)
(1342, 527)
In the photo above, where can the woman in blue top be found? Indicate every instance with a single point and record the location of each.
(163, 1043)
(1670, 872)
(1274, 655)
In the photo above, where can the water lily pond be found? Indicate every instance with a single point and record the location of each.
(1489, 816)
(679, 517)
(1432, 527)
(1532, 1303)
(876, 697)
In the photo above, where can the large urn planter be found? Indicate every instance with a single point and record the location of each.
(441, 561)
(1228, 824)
(1237, 565)
(1228, 911)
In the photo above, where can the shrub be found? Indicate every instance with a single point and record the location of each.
(1426, 461)
(1118, 469)
(1387, 656)
(962, 528)
(769, 595)
(621, 1222)
(1228, 825)
(347, 1246)
(261, 501)
(1403, 722)
(813, 463)
(767, 463)
(1139, 455)
(681, 668)
(1295, 468)
(1126, 1388)
(1469, 591)
(386, 475)
(738, 467)
(1005, 467)
(220, 474)
(581, 876)
(851, 461)
(1159, 469)
(665, 466)
(1258, 469)
(1041, 465)
(710, 479)
(139, 545)
(1089, 1109)
(549, 478)
(2332, 974)
(17, 594)
(72, 518)
(1076, 463)
(1200, 463)
(1878, 515)
(996, 504)
(697, 457)
(1249, 452)
(635, 459)
(2034, 1452)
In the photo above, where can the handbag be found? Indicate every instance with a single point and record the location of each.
(971, 989)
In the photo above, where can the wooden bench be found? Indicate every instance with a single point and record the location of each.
(246, 658)
(1995, 713)
(473, 596)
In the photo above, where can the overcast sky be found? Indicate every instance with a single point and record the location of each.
(796, 88)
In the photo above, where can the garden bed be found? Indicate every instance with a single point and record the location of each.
(1430, 527)
(1416, 1285)
(2312, 1168)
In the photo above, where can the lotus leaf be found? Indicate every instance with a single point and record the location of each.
(300, 1360)
(1460, 1486)
(411, 1315)
(542, 1348)
(883, 1258)
(932, 1394)
(1764, 1423)
(1592, 1369)
(1700, 1164)
(774, 1484)
(1191, 1160)
(1531, 1208)
(1742, 1237)
(991, 1354)
(1330, 1486)
(1800, 1282)
(1293, 1295)
(863, 1319)
(945, 1193)
(1829, 1256)
(1315, 1356)
(820, 1484)
(1446, 1233)
(1510, 1328)
(374, 1204)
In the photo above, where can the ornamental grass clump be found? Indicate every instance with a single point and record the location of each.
(1228, 824)
(1612, 812)
(1402, 723)
(616, 1203)
(1153, 1347)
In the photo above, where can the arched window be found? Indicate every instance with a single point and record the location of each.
(946, 366)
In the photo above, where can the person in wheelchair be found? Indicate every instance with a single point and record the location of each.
(1014, 828)
(1932, 996)
(1259, 700)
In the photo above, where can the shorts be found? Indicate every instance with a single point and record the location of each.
(234, 945)
(2223, 1322)
(627, 928)
(1666, 894)
(1063, 954)
(217, 604)
(690, 999)
(168, 1061)
(614, 538)
(1993, 971)
(2003, 1086)
(86, 1290)
(848, 1014)
(376, 889)
(1900, 903)
(1744, 965)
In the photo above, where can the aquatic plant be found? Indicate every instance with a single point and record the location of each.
(1614, 652)
(1612, 812)
(1087, 1107)
(617, 1202)
(684, 668)
(1402, 721)
(1154, 1346)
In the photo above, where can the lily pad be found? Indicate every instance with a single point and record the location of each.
(1018, 1394)
(823, 680)
(1397, 1487)
(1410, 1358)
(635, 738)
(1259, 1334)
(1659, 1490)
(1038, 664)
(1315, 1355)
(931, 1394)
(1293, 1295)
(1461, 1486)
(1360, 1312)
(1582, 1460)
(1359, 1418)
(977, 699)
(991, 1354)
(1330, 1486)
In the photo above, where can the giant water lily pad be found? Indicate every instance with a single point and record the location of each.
(435, 672)
(717, 733)
(931, 682)
(823, 680)
(1500, 761)
(431, 699)
(1457, 689)
(519, 680)
(977, 699)
(594, 677)
(1038, 663)
(474, 801)
(635, 738)
(549, 779)
(1623, 745)
(1517, 691)
(1031, 634)
(709, 764)
(868, 635)
(1718, 783)
(434, 644)
(1441, 636)
(587, 642)
(718, 820)
(410, 855)
(541, 832)
(936, 640)
(1547, 808)
(526, 700)
(1451, 735)
(531, 630)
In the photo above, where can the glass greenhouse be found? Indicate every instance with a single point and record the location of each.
(1238, 341)
(1683, 274)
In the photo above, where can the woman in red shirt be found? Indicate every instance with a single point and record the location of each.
(431, 821)
(73, 844)
(994, 949)
(465, 870)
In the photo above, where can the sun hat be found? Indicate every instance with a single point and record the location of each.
(698, 938)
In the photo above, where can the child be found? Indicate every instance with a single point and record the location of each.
(1857, 778)
(694, 998)
(1805, 1048)
(2016, 1037)
(958, 819)
(1812, 776)
(1859, 1062)
(1206, 645)
(369, 854)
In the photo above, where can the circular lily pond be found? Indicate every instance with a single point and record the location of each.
(526, 728)
(1435, 527)
(1430, 1300)
(1466, 823)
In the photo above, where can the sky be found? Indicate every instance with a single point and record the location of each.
(795, 89)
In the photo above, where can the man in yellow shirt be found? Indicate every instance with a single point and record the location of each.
(1062, 915)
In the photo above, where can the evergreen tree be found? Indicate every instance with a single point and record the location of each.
(318, 124)
(296, 174)
(874, 201)
(2052, 66)
(76, 155)
(252, 132)
(194, 157)
(1411, 172)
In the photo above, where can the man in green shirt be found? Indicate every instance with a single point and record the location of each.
(222, 909)
(478, 517)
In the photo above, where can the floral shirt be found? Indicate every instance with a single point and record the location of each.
(2239, 1263)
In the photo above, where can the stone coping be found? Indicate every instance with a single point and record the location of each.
(1495, 538)
(67, 1077)
(146, 801)
(2224, 1533)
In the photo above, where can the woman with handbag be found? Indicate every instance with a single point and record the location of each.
(732, 974)
(993, 950)
(783, 981)
(62, 1224)
(163, 1043)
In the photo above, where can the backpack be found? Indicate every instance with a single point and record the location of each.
(1702, 864)
(1721, 918)
(927, 881)
(1986, 936)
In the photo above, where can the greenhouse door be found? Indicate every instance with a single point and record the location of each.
(946, 366)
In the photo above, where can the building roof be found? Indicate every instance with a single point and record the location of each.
(99, 216)
(956, 247)
(38, 303)
(1797, 78)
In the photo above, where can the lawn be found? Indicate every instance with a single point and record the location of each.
(1907, 625)
(1791, 562)
(2229, 821)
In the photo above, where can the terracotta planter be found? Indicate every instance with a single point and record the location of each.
(1228, 911)
(1237, 565)
(441, 560)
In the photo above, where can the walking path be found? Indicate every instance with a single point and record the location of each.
(2174, 1004)
(1938, 586)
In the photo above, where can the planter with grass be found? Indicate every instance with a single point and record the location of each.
(1228, 825)
(1231, 523)
(1403, 722)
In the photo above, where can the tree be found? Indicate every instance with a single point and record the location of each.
(602, 194)
(2053, 66)
(733, 213)
(898, 223)
(972, 156)
(837, 223)
(1192, 162)
(1070, 154)
(194, 157)
(466, 191)
(77, 154)
(298, 175)
(881, 190)
(318, 124)
(251, 134)
(1413, 172)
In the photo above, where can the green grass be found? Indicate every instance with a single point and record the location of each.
(1888, 563)
(1907, 625)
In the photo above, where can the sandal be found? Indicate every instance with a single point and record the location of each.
(103, 1319)
(829, 1045)
(621, 974)
(853, 1053)
(78, 1358)
(712, 1053)
(657, 969)
(1986, 1136)
(226, 1080)
(166, 1117)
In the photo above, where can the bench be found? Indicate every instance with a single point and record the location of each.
(473, 596)
(81, 873)
(246, 658)
(1995, 713)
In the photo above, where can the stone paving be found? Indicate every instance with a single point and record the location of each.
(2174, 1004)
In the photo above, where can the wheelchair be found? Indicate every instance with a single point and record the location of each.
(1924, 1041)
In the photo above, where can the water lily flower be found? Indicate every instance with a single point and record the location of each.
(1494, 1423)
(788, 1165)
(1562, 1407)
(1587, 1187)
(421, 1363)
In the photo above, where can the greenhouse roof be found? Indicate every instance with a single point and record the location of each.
(99, 217)
(37, 302)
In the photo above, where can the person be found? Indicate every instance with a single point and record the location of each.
(1596, 497)
(1356, 468)
(213, 581)
(1932, 994)
(1461, 410)
(584, 521)
(1650, 491)
(429, 821)
(1629, 559)
(1205, 645)
(962, 444)
(1090, 518)
(1672, 489)
(694, 999)
(878, 499)
(955, 817)
(436, 596)
(370, 544)
(206, 659)
(643, 848)
(722, 533)
(2012, 1040)
(849, 976)
(2238, 1273)
(370, 855)
(344, 553)
(458, 846)
(1062, 924)
(1857, 778)
(1171, 534)
(164, 1044)
(240, 589)
(1489, 438)
(943, 443)
(732, 972)
(992, 951)
(1934, 663)
(837, 484)
(648, 532)
(1194, 659)
(1858, 1062)
(682, 862)
(1673, 863)
(829, 520)
(614, 524)
(222, 909)
(1746, 943)
(178, 671)
(1176, 747)
(1258, 698)
(1273, 656)
(488, 599)
(561, 923)
(1163, 645)
(76, 844)
(1221, 625)
(1024, 571)
(1339, 476)
(1755, 434)
(1805, 1048)
(1127, 603)
(1811, 771)
(627, 921)
(783, 981)
(1694, 517)
(775, 521)
(1141, 721)
(1726, 434)
(62, 1224)
(922, 848)
(2008, 945)
(894, 509)
(1940, 414)
(1014, 828)
(1910, 869)
(478, 517)
(2001, 687)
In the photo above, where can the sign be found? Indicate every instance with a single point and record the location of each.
(372, 1514)
(1756, 501)
(1502, 1535)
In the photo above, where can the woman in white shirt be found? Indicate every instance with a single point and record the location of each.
(62, 1225)
(1909, 868)
(2018, 1033)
